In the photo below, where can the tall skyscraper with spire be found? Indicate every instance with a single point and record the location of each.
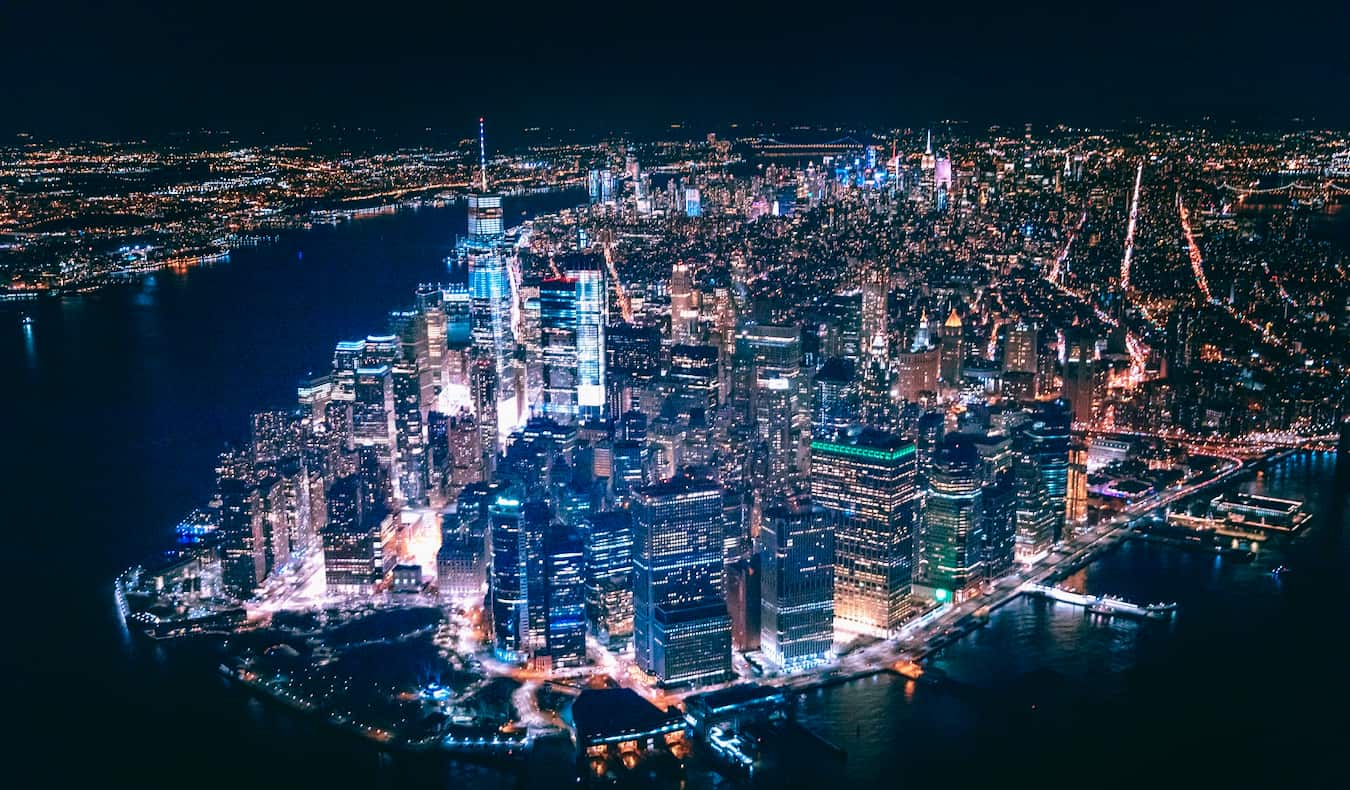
(482, 252)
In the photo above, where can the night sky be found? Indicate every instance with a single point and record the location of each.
(136, 67)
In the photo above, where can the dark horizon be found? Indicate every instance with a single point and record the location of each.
(148, 68)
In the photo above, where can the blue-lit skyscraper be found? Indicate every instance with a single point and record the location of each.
(558, 347)
(681, 629)
(835, 404)
(797, 585)
(609, 574)
(565, 590)
(592, 316)
(458, 316)
(516, 581)
(693, 202)
(490, 309)
(485, 218)
(572, 317)
(1041, 476)
(492, 305)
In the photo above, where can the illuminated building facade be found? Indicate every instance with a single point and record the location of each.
(997, 461)
(516, 578)
(916, 374)
(1046, 442)
(693, 378)
(772, 386)
(357, 542)
(683, 306)
(835, 404)
(951, 350)
(952, 560)
(681, 629)
(572, 317)
(797, 585)
(866, 478)
(1020, 348)
(565, 591)
(609, 575)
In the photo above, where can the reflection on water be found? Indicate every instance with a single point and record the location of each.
(29, 347)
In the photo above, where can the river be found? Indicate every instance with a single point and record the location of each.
(117, 403)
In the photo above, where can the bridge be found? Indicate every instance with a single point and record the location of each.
(1325, 190)
(769, 147)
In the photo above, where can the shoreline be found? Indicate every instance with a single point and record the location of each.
(903, 662)
(219, 250)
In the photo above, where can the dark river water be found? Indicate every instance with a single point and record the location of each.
(116, 403)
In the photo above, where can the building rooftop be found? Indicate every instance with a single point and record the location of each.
(680, 484)
(602, 715)
(866, 443)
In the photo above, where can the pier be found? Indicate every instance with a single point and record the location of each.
(1102, 604)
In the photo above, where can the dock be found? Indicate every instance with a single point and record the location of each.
(1102, 604)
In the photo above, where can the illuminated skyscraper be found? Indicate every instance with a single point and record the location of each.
(1048, 438)
(492, 307)
(867, 478)
(410, 437)
(797, 585)
(875, 294)
(558, 347)
(1081, 386)
(879, 407)
(683, 306)
(693, 202)
(357, 542)
(1000, 502)
(373, 412)
(631, 357)
(609, 575)
(592, 317)
(951, 351)
(516, 588)
(432, 315)
(693, 378)
(771, 382)
(458, 316)
(1075, 494)
(836, 404)
(1041, 471)
(565, 591)
(241, 536)
(843, 327)
(916, 373)
(1019, 351)
(485, 217)
(681, 629)
(952, 563)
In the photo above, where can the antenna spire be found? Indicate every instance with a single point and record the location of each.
(482, 154)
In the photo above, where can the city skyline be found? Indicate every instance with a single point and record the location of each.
(569, 412)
